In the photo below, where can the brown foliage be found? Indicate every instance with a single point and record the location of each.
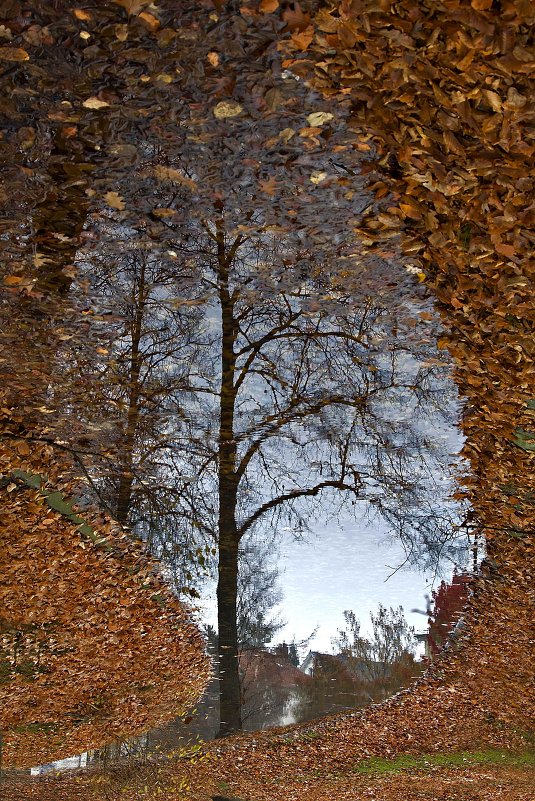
(440, 93)
(93, 646)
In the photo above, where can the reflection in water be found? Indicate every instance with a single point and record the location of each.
(264, 371)
(260, 393)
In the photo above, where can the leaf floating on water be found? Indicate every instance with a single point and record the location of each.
(227, 108)
(318, 176)
(171, 174)
(268, 6)
(80, 14)
(95, 103)
(114, 200)
(319, 118)
(13, 54)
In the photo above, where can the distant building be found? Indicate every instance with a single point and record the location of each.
(62, 764)
(423, 637)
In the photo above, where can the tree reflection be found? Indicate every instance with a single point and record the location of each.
(267, 393)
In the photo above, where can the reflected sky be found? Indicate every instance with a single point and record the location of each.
(356, 573)
(350, 563)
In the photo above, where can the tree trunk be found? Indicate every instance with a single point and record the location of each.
(229, 685)
(126, 460)
(227, 587)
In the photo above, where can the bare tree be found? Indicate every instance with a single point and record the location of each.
(292, 404)
(383, 663)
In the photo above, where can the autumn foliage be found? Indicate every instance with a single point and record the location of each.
(441, 92)
(440, 97)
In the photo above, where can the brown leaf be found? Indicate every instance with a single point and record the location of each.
(268, 186)
(114, 200)
(13, 54)
(150, 20)
(171, 174)
(295, 18)
(132, 6)
(95, 103)
(505, 250)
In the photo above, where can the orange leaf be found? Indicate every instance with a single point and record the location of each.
(303, 39)
(268, 6)
(506, 250)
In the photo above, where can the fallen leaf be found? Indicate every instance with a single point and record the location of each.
(13, 54)
(164, 212)
(94, 103)
(121, 32)
(295, 18)
(302, 39)
(171, 174)
(318, 176)
(80, 14)
(319, 118)
(213, 58)
(227, 108)
(286, 134)
(268, 186)
(132, 6)
(151, 21)
(506, 250)
(268, 6)
(114, 200)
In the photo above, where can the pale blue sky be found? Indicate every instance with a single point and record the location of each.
(346, 566)
(342, 565)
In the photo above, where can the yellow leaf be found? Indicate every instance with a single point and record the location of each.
(410, 211)
(94, 102)
(114, 200)
(40, 260)
(13, 280)
(317, 177)
(227, 108)
(494, 100)
(319, 118)
(13, 54)
(286, 134)
(213, 58)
